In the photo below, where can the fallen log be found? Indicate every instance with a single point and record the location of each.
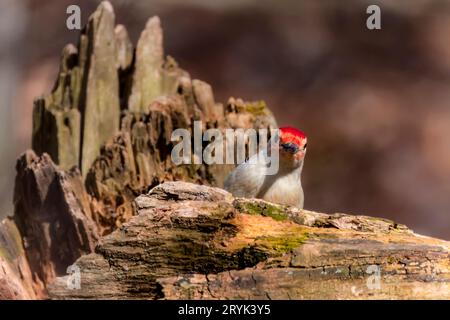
(196, 242)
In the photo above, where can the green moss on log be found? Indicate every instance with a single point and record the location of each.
(282, 244)
(261, 208)
(254, 107)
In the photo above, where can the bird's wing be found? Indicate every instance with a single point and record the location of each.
(246, 180)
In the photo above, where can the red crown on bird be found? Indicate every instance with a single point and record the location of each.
(291, 134)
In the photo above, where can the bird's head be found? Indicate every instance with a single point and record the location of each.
(292, 144)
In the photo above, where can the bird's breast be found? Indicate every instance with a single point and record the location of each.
(285, 190)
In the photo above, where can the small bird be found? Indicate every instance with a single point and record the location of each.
(251, 179)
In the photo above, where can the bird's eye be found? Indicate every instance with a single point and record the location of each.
(304, 147)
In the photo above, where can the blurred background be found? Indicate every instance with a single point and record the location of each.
(375, 104)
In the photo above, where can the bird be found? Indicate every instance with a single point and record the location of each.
(250, 179)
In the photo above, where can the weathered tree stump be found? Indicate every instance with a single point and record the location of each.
(102, 137)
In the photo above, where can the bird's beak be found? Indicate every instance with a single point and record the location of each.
(299, 155)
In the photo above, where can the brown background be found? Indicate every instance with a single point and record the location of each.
(375, 104)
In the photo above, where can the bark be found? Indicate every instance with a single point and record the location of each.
(16, 280)
(53, 215)
(197, 242)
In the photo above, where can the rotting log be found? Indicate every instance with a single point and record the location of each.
(197, 242)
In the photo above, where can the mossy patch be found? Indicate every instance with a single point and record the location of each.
(3, 253)
(282, 244)
(256, 107)
(263, 209)
(6, 254)
(253, 107)
(10, 240)
(391, 260)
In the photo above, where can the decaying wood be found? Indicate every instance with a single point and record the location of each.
(53, 215)
(102, 140)
(110, 114)
(123, 155)
(16, 280)
(197, 242)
